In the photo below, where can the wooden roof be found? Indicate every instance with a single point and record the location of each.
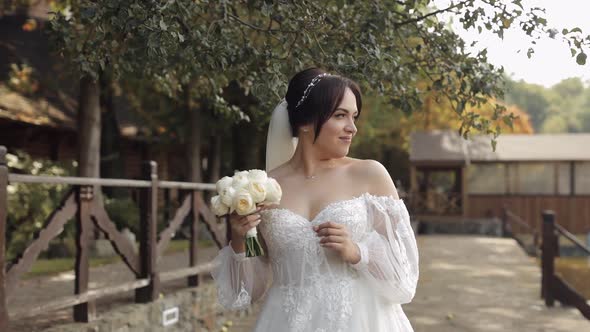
(55, 103)
(448, 146)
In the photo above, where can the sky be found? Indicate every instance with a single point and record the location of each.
(552, 60)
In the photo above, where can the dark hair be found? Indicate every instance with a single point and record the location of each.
(322, 100)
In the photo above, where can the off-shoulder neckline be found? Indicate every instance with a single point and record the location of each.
(342, 201)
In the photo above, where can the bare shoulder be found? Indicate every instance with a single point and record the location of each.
(375, 176)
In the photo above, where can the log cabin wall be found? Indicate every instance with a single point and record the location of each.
(572, 212)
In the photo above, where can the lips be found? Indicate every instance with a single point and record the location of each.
(346, 138)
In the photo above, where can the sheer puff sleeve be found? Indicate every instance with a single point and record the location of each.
(389, 254)
(240, 280)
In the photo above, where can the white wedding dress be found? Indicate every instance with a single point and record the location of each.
(309, 288)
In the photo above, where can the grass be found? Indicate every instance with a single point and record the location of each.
(46, 267)
(576, 271)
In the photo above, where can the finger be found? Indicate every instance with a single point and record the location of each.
(251, 225)
(258, 209)
(332, 245)
(329, 224)
(332, 239)
(253, 217)
(331, 231)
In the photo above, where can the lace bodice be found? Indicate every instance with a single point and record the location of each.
(312, 286)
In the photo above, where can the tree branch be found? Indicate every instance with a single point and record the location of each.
(436, 12)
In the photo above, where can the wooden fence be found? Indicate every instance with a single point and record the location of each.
(81, 205)
(546, 244)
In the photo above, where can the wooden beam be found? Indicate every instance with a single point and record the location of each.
(556, 178)
(52, 227)
(187, 272)
(413, 179)
(193, 280)
(83, 311)
(179, 216)
(548, 257)
(147, 237)
(464, 193)
(572, 178)
(567, 295)
(68, 301)
(210, 221)
(3, 218)
(120, 242)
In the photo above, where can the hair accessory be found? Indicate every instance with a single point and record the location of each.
(311, 84)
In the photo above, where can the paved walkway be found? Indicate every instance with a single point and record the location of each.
(470, 283)
(467, 283)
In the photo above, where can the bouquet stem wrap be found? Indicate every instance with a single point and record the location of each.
(253, 246)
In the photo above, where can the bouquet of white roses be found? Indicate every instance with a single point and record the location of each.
(242, 193)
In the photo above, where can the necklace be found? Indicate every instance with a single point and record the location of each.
(313, 176)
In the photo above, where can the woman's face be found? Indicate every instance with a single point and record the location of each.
(336, 134)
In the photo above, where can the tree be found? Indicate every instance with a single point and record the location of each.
(401, 50)
(533, 98)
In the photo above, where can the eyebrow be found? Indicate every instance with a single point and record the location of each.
(345, 110)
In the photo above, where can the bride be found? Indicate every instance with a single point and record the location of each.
(340, 252)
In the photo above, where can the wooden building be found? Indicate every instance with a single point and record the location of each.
(456, 179)
(42, 122)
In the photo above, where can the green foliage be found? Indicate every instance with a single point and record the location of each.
(202, 46)
(30, 204)
(565, 107)
(534, 99)
(124, 212)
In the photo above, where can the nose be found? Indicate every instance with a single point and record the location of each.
(351, 128)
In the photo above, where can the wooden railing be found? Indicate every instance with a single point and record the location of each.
(81, 204)
(515, 227)
(553, 287)
(435, 203)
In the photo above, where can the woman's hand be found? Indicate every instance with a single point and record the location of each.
(337, 237)
(240, 225)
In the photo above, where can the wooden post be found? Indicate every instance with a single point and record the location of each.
(413, 187)
(572, 178)
(3, 216)
(548, 257)
(504, 221)
(83, 312)
(148, 228)
(464, 191)
(193, 280)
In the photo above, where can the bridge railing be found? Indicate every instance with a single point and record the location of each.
(546, 246)
(553, 286)
(81, 204)
(517, 228)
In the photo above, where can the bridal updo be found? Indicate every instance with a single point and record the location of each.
(321, 101)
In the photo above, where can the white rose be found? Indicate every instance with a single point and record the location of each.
(227, 196)
(223, 183)
(218, 207)
(257, 175)
(273, 191)
(243, 203)
(257, 190)
(240, 180)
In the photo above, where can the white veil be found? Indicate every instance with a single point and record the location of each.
(280, 144)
